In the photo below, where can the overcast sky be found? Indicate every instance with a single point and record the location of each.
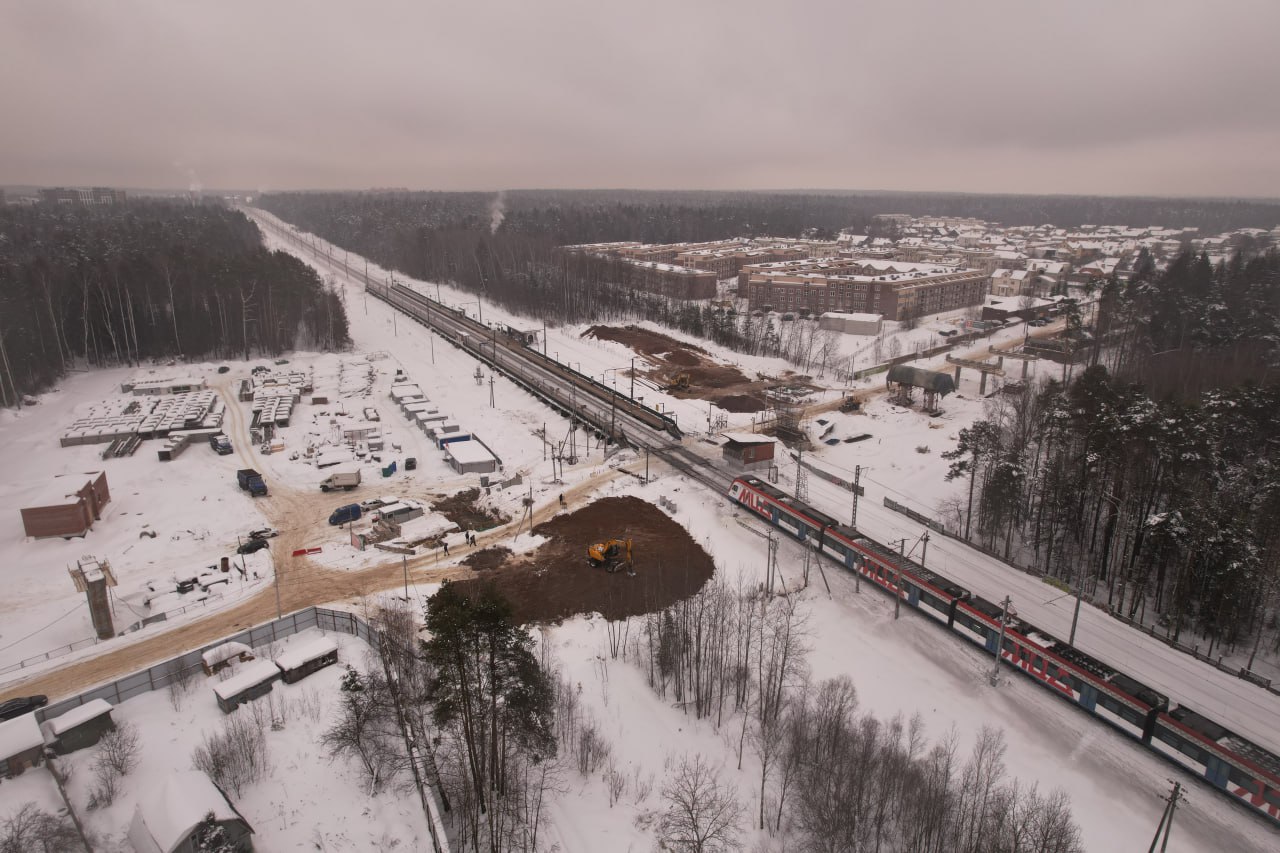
(1161, 97)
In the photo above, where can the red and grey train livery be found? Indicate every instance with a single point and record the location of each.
(1223, 759)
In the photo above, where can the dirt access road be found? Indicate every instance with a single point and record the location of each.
(302, 583)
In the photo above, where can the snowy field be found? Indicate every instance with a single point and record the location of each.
(901, 666)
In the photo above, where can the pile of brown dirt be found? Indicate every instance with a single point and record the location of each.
(461, 509)
(488, 558)
(741, 403)
(556, 582)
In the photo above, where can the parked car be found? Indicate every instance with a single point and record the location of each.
(410, 464)
(251, 545)
(22, 705)
(344, 514)
(264, 533)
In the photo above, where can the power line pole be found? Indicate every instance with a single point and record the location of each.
(897, 579)
(924, 552)
(404, 560)
(802, 480)
(853, 516)
(1075, 617)
(633, 378)
(1166, 819)
(275, 571)
(1004, 620)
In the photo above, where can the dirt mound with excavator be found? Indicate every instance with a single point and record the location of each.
(557, 580)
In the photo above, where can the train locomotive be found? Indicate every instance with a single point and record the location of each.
(1221, 758)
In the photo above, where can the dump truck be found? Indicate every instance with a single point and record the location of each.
(220, 444)
(347, 480)
(251, 481)
(610, 555)
(344, 514)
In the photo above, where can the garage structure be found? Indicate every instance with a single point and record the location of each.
(469, 457)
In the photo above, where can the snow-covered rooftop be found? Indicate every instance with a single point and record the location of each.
(19, 734)
(248, 675)
(76, 716)
(468, 451)
(177, 805)
(299, 653)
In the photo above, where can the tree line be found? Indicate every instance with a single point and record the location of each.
(148, 280)
(827, 777)
(506, 248)
(1152, 477)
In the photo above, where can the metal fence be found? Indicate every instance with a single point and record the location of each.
(182, 666)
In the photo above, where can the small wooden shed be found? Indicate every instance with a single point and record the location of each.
(220, 657)
(78, 728)
(748, 451)
(253, 680)
(303, 658)
(21, 745)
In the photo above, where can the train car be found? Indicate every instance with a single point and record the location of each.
(1225, 760)
(1222, 758)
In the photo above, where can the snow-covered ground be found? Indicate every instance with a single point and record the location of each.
(904, 665)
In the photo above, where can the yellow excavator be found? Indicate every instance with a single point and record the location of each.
(679, 382)
(610, 555)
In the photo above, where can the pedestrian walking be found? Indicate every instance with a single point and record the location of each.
(562, 499)
(446, 547)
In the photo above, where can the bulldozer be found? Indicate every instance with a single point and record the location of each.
(611, 555)
(679, 382)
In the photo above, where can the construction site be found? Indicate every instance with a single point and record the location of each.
(558, 580)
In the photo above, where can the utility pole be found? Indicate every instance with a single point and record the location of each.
(1075, 617)
(633, 377)
(772, 563)
(404, 560)
(1166, 819)
(275, 571)
(1004, 621)
(491, 404)
(802, 481)
(853, 516)
(924, 552)
(897, 579)
(646, 466)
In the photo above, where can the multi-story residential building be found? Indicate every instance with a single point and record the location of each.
(895, 289)
(79, 195)
(1011, 282)
(670, 280)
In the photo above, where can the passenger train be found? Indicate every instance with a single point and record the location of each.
(1222, 758)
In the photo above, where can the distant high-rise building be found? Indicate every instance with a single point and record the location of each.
(94, 196)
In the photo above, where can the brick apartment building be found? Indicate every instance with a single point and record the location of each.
(895, 289)
(670, 280)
